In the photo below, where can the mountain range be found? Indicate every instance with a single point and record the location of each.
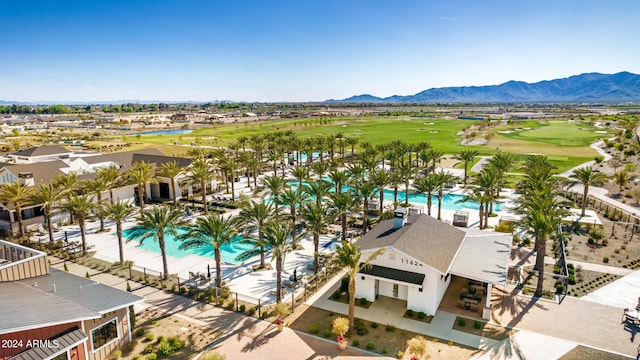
(589, 87)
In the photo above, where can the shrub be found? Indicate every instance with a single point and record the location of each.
(151, 357)
(87, 275)
(374, 325)
(462, 322)
(477, 324)
(363, 301)
(231, 304)
(139, 332)
(390, 328)
(128, 287)
(169, 346)
(361, 330)
(605, 259)
(252, 311)
(132, 344)
(135, 357)
(355, 342)
(182, 290)
(422, 315)
(572, 280)
(214, 355)
(400, 355)
(191, 292)
(314, 329)
(154, 322)
(327, 333)
(336, 295)
(160, 339)
(371, 345)
(117, 353)
(385, 350)
(148, 349)
(242, 308)
(410, 313)
(340, 326)
(150, 337)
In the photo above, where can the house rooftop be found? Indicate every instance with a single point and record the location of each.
(41, 151)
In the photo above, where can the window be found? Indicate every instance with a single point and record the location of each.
(104, 334)
(62, 356)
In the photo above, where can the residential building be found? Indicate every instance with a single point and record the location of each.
(50, 314)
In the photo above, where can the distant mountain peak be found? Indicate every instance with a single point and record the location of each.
(588, 87)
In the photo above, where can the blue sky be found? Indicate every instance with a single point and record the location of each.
(301, 50)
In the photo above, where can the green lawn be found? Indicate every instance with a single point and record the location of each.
(566, 144)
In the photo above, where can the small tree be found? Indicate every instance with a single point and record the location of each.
(340, 327)
(280, 310)
(417, 346)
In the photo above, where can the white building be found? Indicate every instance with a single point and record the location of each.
(421, 254)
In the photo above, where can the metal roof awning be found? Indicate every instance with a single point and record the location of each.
(394, 274)
(484, 257)
(65, 342)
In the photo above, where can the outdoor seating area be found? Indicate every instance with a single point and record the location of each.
(471, 297)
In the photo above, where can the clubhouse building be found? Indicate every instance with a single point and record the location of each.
(423, 254)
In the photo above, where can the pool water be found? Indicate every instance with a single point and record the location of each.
(163, 132)
(228, 252)
(449, 201)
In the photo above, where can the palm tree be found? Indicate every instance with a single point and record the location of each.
(467, 156)
(406, 172)
(317, 217)
(487, 180)
(211, 230)
(17, 194)
(339, 178)
(442, 178)
(381, 178)
(119, 212)
(365, 191)
(301, 174)
(141, 174)
(155, 224)
(476, 194)
(320, 168)
(81, 206)
(540, 209)
(501, 161)
(348, 257)
(435, 155)
(427, 185)
(69, 184)
(621, 178)
(254, 165)
(201, 175)
(274, 185)
(356, 172)
(231, 166)
(276, 236)
(172, 170)
(110, 175)
(256, 216)
(293, 198)
(351, 141)
(98, 187)
(587, 177)
(318, 189)
(48, 196)
(341, 204)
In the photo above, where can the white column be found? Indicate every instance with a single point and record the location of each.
(489, 285)
(486, 312)
(129, 324)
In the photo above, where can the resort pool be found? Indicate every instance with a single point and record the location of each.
(163, 132)
(228, 252)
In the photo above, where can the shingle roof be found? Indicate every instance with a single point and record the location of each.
(41, 151)
(126, 158)
(43, 172)
(65, 342)
(423, 237)
(25, 306)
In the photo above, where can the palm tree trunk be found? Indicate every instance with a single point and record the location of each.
(364, 216)
(82, 234)
(343, 220)
(316, 248)
(233, 187)
(20, 223)
(255, 179)
(111, 196)
(585, 195)
(439, 204)
(486, 213)
(248, 179)
(352, 300)
(395, 195)
(465, 172)
(429, 203)
(141, 197)
(120, 246)
(540, 252)
(216, 255)
(406, 193)
(163, 250)
(49, 227)
(278, 279)
(101, 212)
(173, 192)
(481, 214)
(204, 197)
(381, 200)
(293, 222)
(261, 248)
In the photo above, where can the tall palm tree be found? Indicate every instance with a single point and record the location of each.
(172, 170)
(406, 172)
(276, 236)
(119, 212)
(81, 206)
(467, 156)
(339, 178)
(341, 204)
(320, 168)
(365, 191)
(587, 177)
(48, 196)
(293, 198)
(356, 172)
(428, 185)
(256, 216)
(476, 194)
(141, 174)
(254, 165)
(442, 178)
(155, 224)
(488, 181)
(69, 184)
(98, 187)
(110, 175)
(317, 217)
(17, 194)
(502, 162)
(348, 257)
(232, 166)
(540, 210)
(435, 155)
(201, 174)
(318, 189)
(381, 178)
(274, 185)
(301, 174)
(351, 141)
(212, 230)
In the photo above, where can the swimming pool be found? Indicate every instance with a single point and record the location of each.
(163, 132)
(449, 201)
(228, 252)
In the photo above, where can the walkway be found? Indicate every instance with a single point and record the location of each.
(241, 334)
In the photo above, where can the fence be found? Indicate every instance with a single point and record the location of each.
(612, 212)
